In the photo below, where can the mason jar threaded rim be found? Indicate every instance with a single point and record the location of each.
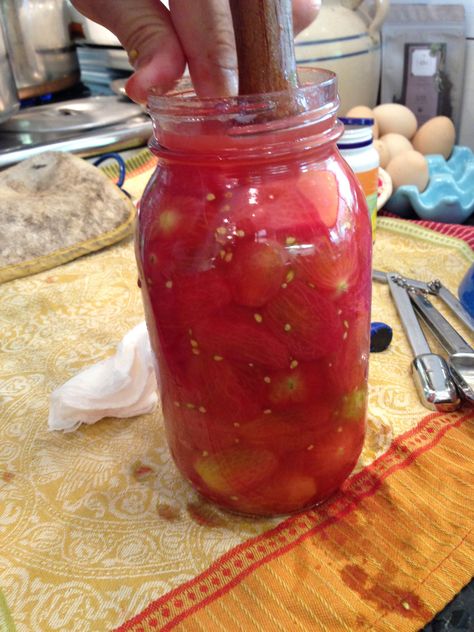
(239, 121)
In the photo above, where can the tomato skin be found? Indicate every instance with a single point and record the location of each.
(331, 460)
(331, 269)
(284, 492)
(305, 320)
(287, 388)
(236, 334)
(255, 272)
(235, 470)
(321, 190)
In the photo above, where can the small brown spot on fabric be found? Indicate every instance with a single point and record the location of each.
(168, 512)
(7, 477)
(142, 472)
(361, 622)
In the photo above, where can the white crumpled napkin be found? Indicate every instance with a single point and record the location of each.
(123, 385)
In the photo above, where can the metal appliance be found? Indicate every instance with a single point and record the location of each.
(43, 55)
(8, 96)
(86, 126)
(86, 114)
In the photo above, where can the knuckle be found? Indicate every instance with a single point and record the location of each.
(141, 31)
(223, 53)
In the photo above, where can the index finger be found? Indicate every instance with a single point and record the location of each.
(204, 28)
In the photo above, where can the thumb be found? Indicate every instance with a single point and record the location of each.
(145, 30)
(304, 12)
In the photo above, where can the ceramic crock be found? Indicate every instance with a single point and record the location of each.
(345, 38)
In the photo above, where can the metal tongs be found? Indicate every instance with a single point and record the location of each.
(461, 354)
(434, 287)
(433, 381)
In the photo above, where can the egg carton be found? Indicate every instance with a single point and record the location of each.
(449, 196)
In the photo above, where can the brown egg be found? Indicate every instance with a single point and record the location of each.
(396, 144)
(436, 136)
(394, 118)
(363, 111)
(384, 154)
(409, 167)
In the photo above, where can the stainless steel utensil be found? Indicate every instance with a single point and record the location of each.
(431, 375)
(9, 104)
(437, 288)
(73, 116)
(382, 277)
(42, 52)
(452, 302)
(461, 358)
(134, 133)
(85, 127)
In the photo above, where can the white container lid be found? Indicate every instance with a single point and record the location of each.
(357, 133)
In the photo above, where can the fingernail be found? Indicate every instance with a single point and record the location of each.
(146, 78)
(142, 61)
(135, 91)
(225, 84)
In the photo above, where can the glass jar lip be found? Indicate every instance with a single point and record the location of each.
(247, 127)
(317, 91)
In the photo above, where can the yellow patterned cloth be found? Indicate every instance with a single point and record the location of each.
(97, 524)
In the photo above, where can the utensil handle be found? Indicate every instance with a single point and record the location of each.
(441, 328)
(382, 277)
(431, 376)
(433, 381)
(456, 306)
(440, 290)
(407, 314)
(265, 48)
(381, 9)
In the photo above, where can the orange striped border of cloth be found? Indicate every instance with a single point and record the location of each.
(386, 553)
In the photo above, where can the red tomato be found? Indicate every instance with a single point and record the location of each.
(332, 268)
(198, 295)
(320, 188)
(333, 457)
(255, 272)
(285, 492)
(306, 321)
(235, 470)
(239, 334)
(302, 384)
(278, 212)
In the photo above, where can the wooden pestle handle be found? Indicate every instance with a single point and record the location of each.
(265, 49)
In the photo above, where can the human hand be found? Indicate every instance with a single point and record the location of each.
(160, 42)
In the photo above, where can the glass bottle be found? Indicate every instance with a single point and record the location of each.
(254, 252)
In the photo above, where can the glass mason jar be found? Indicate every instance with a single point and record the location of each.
(254, 253)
